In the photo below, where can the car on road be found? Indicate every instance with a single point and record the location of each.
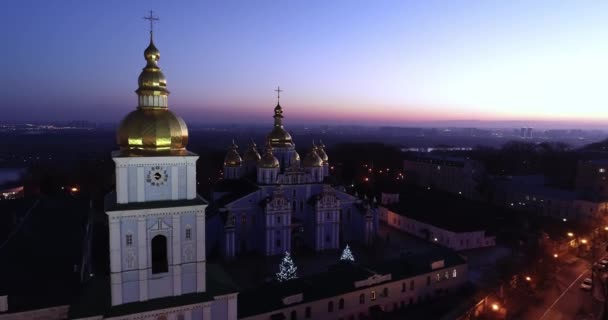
(587, 284)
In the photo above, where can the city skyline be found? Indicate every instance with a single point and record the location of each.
(338, 62)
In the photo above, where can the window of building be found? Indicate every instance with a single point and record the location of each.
(438, 276)
(243, 219)
(327, 216)
(446, 275)
(301, 205)
(293, 205)
(385, 292)
(403, 287)
(188, 234)
(454, 273)
(278, 219)
(330, 306)
(129, 240)
(412, 285)
(348, 214)
(293, 193)
(159, 254)
(327, 238)
(278, 243)
(373, 295)
(307, 313)
(428, 280)
(341, 304)
(294, 315)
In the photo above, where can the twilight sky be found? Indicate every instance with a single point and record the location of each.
(389, 62)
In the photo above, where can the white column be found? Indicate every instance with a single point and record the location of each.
(122, 188)
(191, 178)
(177, 255)
(231, 308)
(174, 183)
(115, 261)
(142, 258)
(141, 195)
(200, 251)
(207, 311)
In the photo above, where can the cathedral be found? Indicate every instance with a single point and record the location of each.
(277, 201)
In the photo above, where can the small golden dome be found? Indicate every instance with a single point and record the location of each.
(152, 54)
(152, 130)
(232, 159)
(295, 156)
(268, 159)
(279, 137)
(321, 152)
(312, 159)
(152, 81)
(251, 155)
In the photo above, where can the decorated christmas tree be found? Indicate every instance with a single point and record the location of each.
(347, 255)
(287, 270)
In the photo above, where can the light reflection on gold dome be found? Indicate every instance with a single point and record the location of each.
(152, 130)
(321, 152)
(251, 155)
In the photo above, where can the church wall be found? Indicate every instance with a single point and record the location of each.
(188, 278)
(219, 309)
(182, 182)
(130, 287)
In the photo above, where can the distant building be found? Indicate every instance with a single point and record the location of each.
(592, 179)
(526, 133)
(441, 218)
(530, 193)
(455, 175)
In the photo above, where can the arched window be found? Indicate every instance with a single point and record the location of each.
(341, 304)
(330, 306)
(454, 273)
(385, 292)
(294, 315)
(159, 254)
(403, 287)
(362, 298)
(307, 313)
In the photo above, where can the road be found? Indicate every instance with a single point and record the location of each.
(564, 299)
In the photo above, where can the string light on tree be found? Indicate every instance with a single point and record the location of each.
(347, 255)
(287, 269)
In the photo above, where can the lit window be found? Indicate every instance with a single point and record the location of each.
(188, 234)
(447, 275)
(438, 276)
(602, 170)
(373, 295)
(129, 240)
(454, 273)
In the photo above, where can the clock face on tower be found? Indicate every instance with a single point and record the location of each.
(157, 176)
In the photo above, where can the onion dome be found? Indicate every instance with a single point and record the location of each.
(312, 159)
(295, 156)
(152, 128)
(232, 158)
(251, 155)
(268, 160)
(279, 137)
(321, 152)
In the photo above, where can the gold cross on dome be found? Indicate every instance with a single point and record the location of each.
(152, 19)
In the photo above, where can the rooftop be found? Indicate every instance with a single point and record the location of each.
(338, 279)
(445, 210)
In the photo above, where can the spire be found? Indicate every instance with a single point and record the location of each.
(278, 111)
(152, 89)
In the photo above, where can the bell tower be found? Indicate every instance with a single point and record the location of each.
(156, 218)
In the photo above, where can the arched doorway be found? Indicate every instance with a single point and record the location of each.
(159, 254)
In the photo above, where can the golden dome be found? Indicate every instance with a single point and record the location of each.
(295, 156)
(312, 159)
(251, 155)
(279, 137)
(268, 160)
(151, 80)
(153, 130)
(321, 152)
(232, 158)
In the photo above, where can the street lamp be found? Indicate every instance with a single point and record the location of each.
(584, 241)
(528, 278)
(606, 228)
(555, 255)
(495, 306)
(564, 219)
(570, 234)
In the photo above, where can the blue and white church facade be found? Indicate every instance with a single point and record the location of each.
(278, 201)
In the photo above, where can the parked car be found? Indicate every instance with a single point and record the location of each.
(587, 284)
